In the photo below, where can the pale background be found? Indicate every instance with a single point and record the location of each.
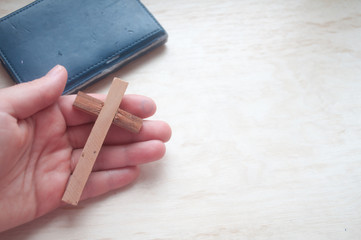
(264, 99)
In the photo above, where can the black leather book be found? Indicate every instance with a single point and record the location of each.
(91, 38)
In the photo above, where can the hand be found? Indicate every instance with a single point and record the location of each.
(42, 136)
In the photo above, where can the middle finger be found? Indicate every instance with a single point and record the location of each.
(151, 130)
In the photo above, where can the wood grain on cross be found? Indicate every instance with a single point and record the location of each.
(108, 113)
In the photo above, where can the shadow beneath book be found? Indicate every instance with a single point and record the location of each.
(102, 85)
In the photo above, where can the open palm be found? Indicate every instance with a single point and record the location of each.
(42, 136)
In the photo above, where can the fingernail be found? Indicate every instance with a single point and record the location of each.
(55, 71)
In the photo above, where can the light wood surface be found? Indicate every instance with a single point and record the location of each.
(264, 100)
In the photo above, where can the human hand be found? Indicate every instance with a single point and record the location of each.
(41, 139)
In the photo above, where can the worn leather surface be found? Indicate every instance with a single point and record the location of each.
(86, 36)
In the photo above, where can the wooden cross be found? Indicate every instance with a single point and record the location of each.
(108, 113)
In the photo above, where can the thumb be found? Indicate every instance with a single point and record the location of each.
(25, 99)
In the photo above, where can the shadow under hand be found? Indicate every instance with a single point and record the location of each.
(68, 217)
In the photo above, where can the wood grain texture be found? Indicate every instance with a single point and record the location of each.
(264, 101)
(94, 143)
(91, 105)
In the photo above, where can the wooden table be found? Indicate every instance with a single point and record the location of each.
(264, 99)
